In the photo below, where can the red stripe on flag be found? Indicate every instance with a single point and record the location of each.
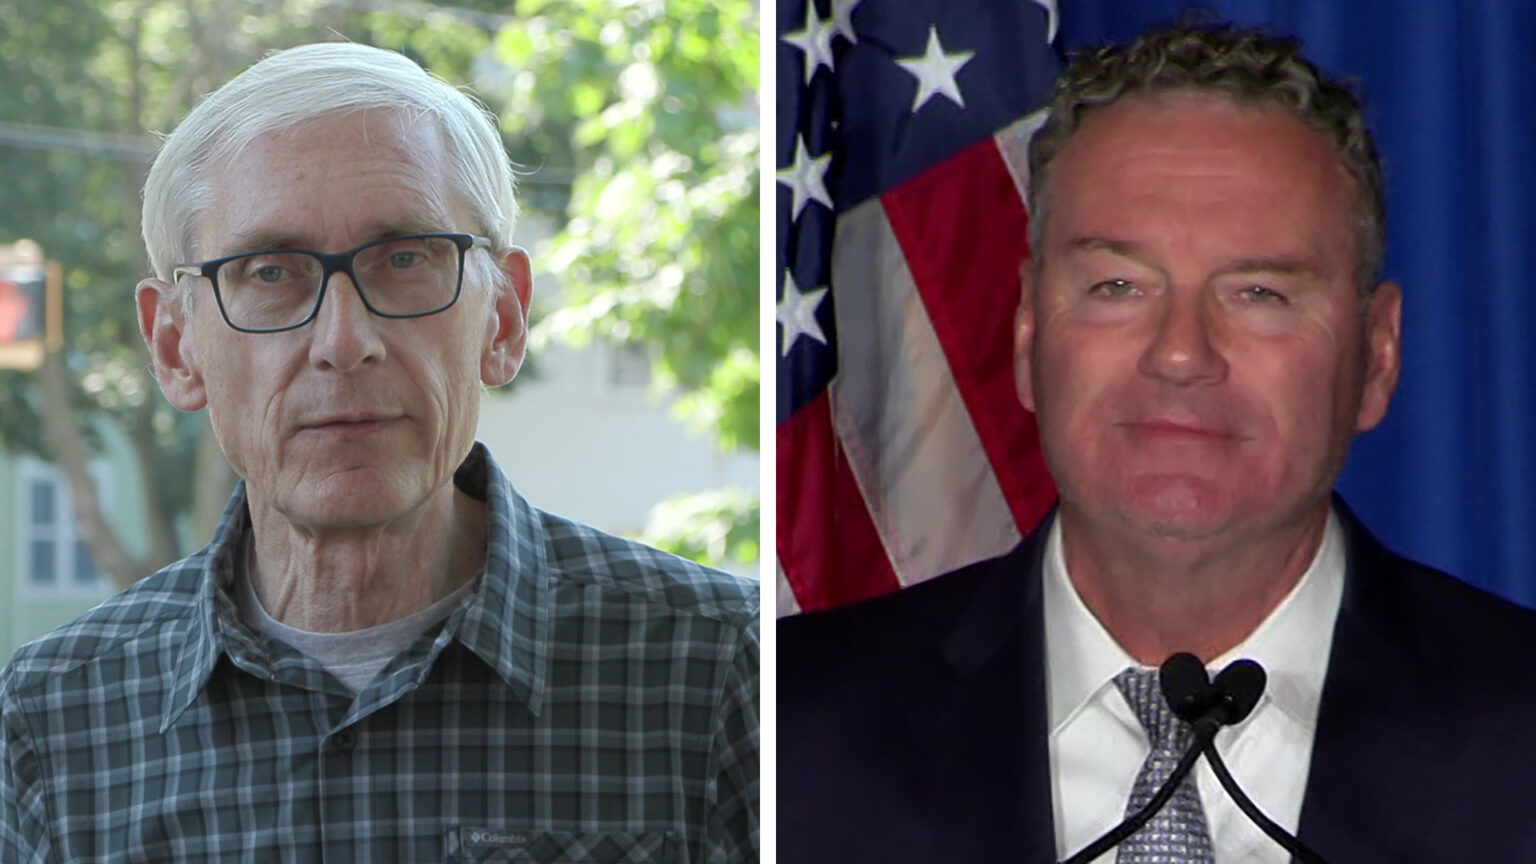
(827, 544)
(964, 231)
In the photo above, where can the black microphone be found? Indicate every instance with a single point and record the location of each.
(1186, 686)
(1236, 690)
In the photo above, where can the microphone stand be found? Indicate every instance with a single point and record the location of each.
(1207, 706)
(1291, 844)
(1205, 734)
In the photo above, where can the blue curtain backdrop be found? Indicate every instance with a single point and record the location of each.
(1450, 90)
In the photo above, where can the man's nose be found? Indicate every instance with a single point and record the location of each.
(1184, 347)
(346, 334)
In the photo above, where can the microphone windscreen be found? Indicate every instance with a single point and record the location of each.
(1240, 685)
(1186, 686)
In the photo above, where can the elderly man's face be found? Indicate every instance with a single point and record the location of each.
(352, 419)
(1193, 344)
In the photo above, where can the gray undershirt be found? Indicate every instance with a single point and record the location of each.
(355, 657)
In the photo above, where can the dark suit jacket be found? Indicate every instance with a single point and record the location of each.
(913, 727)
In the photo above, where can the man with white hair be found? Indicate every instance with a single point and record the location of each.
(385, 654)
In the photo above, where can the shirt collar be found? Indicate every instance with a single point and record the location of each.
(1292, 643)
(505, 621)
(202, 646)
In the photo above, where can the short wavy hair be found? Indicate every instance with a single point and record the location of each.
(1245, 65)
(299, 84)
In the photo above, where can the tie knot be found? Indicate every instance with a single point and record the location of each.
(1144, 693)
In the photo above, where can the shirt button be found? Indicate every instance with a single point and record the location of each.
(346, 739)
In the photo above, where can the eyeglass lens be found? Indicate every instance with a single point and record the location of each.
(408, 276)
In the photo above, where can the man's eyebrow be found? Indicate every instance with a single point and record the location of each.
(1280, 266)
(1126, 249)
(1277, 265)
(1123, 248)
(260, 239)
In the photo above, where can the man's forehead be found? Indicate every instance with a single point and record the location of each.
(367, 174)
(1193, 149)
(364, 124)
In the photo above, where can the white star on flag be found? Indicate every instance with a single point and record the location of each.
(797, 313)
(842, 19)
(935, 71)
(807, 179)
(815, 41)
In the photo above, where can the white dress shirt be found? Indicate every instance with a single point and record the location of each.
(1097, 744)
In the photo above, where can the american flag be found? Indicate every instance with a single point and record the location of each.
(903, 451)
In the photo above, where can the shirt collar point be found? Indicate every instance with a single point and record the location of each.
(180, 697)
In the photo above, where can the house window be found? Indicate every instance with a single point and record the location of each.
(628, 367)
(54, 559)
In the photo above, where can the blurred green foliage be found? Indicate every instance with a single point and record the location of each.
(640, 114)
(718, 525)
(662, 246)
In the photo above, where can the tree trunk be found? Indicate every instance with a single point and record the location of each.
(159, 519)
(67, 448)
(211, 485)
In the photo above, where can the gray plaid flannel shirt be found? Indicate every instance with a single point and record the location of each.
(591, 700)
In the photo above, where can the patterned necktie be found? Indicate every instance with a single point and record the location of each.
(1178, 834)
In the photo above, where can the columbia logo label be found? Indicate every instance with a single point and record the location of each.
(490, 837)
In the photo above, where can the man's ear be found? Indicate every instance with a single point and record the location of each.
(162, 321)
(507, 325)
(1024, 335)
(1383, 354)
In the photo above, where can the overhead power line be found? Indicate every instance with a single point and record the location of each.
(130, 148)
(125, 148)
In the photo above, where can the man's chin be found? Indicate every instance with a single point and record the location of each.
(348, 502)
(1178, 508)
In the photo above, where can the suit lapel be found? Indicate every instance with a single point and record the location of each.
(1371, 725)
(993, 768)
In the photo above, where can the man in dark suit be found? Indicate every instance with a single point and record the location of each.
(1202, 331)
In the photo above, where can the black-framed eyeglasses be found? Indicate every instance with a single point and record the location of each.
(280, 289)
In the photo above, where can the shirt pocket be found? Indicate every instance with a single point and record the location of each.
(483, 845)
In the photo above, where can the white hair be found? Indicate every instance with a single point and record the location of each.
(299, 84)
